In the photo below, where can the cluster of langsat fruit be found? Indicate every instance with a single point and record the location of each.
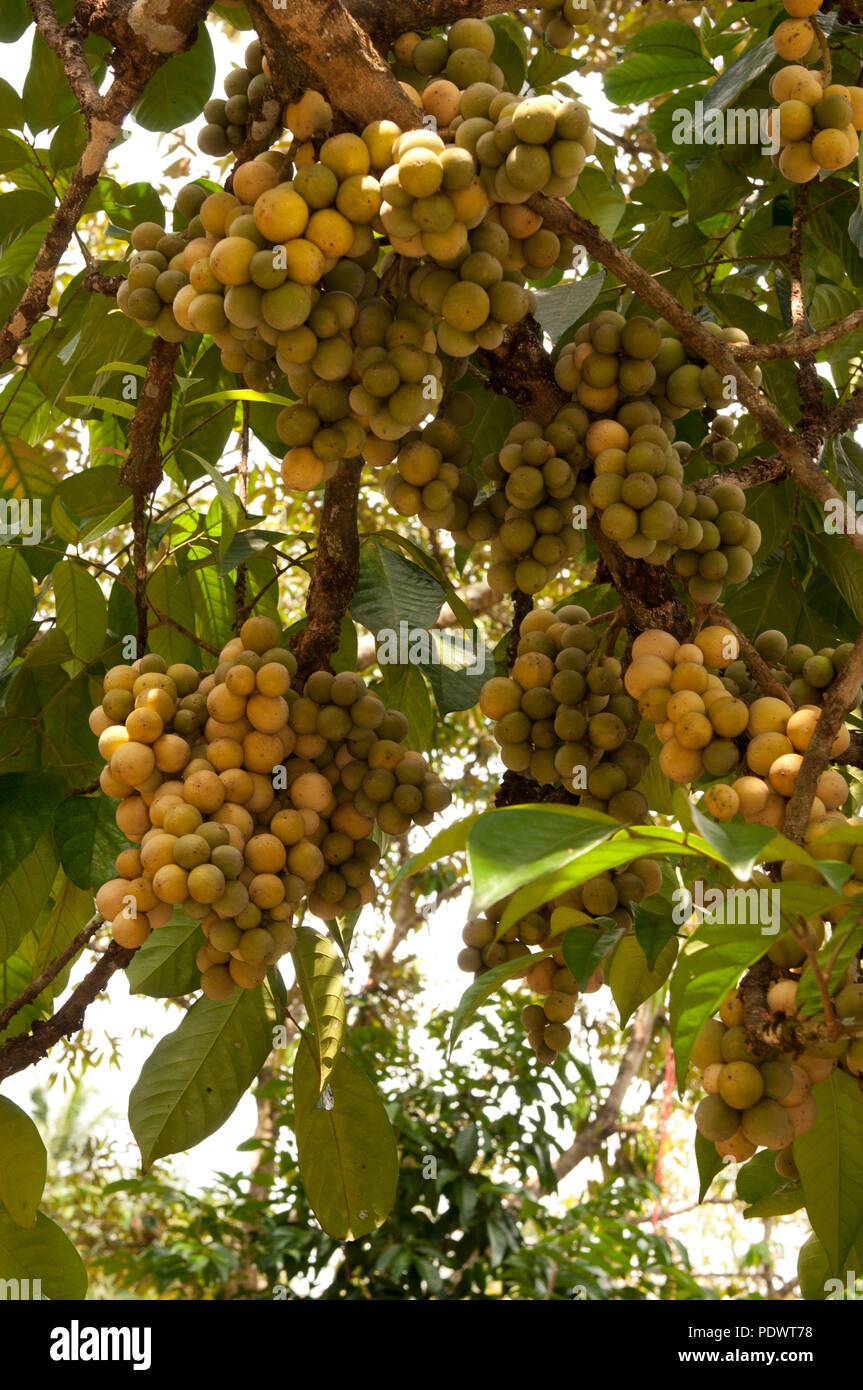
(562, 717)
(818, 120)
(808, 674)
(528, 517)
(611, 894)
(246, 800)
(762, 1099)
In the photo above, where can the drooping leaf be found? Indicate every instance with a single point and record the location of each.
(165, 965)
(630, 978)
(829, 1158)
(321, 980)
(346, 1148)
(23, 1163)
(44, 1256)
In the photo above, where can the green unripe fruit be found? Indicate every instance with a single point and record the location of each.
(715, 1119)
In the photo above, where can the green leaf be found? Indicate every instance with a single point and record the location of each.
(561, 306)
(20, 210)
(88, 505)
(15, 19)
(17, 596)
(391, 589)
(346, 1148)
(758, 1178)
(829, 1158)
(27, 804)
(195, 1076)
(320, 977)
(404, 689)
(178, 92)
(24, 472)
(89, 839)
(630, 978)
(518, 844)
(47, 97)
(738, 846)
(708, 1162)
(483, 988)
(510, 50)
(23, 1164)
(711, 963)
(447, 842)
(664, 57)
(24, 895)
(652, 931)
(715, 187)
(584, 948)
(813, 1271)
(598, 200)
(71, 910)
(82, 611)
(165, 965)
(739, 74)
(41, 1253)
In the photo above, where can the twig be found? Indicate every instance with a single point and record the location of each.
(51, 971)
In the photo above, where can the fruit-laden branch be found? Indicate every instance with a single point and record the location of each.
(646, 592)
(560, 218)
(21, 1052)
(522, 370)
(806, 343)
(750, 474)
(142, 470)
(339, 57)
(837, 702)
(336, 570)
(809, 383)
(51, 971)
(754, 663)
(66, 43)
(590, 1137)
(385, 19)
(846, 415)
(136, 60)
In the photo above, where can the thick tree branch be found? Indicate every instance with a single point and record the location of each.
(809, 383)
(66, 43)
(339, 57)
(336, 571)
(21, 1052)
(522, 370)
(752, 474)
(385, 19)
(755, 664)
(806, 343)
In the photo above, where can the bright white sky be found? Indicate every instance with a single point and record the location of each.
(138, 1023)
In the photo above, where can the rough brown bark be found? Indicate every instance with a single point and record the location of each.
(336, 570)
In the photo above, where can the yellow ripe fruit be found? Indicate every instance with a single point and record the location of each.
(644, 673)
(795, 83)
(133, 763)
(855, 96)
(655, 643)
(793, 38)
(331, 232)
(261, 752)
(280, 213)
(304, 118)
(217, 983)
(171, 752)
(130, 932)
(802, 9)
(170, 884)
(267, 713)
(783, 774)
(273, 679)
(693, 730)
(721, 801)
(832, 788)
(763, 751)
(132, 818)
(110, 898)
(266, 854)
(158, 851)
(214, 211)
(254, 178)
(768, 715)
(345, 154)
(112, 738)
(688, 675)
(679, 763)
(204, 791)
(684, 702)
(797, 163)
(128, 863)
(753, 794)
(267, 890)
(738, 1148)
(302, 470)
(206, 883)
(144, 725)
(795, 121)
(718, 646)
(831, 149)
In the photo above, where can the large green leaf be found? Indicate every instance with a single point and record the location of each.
(24, 472)
(561, 306)
(82, 611)
(17, 597)
(584, 948)
(88, 838)
(664, 57)
(403, 688)
(15, 18)
(23, 1163)
(321, 980)
(393, 590)
(346, 1148)
(27, 804)
(829, 1158)
(71, 909)
(165, 965)
(48, 99)
(41, 1253)
(517, 844)
(813, 1272)
(631, 980)
(460, 665)
(24, 894)
(710, 965)
(87, 505)
(178, 92)
(448, 841)
(195, 1076)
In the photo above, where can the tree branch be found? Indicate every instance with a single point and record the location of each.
(336, 570)
(837, 702)
(66, 43)
(755, 664)
(340, 59)
(385, 19)
(21, 1052)
(51, 971)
